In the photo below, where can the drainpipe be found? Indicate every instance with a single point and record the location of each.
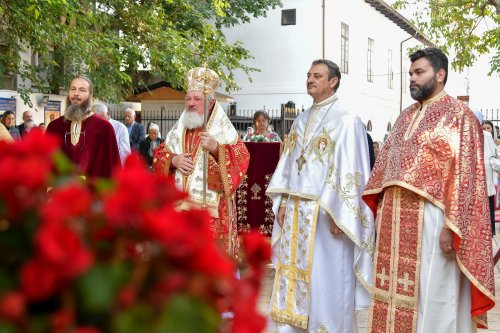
(323, 31)
(401, 73)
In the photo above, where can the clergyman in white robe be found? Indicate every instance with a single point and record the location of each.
(322, 278)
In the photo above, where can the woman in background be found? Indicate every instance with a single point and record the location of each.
(489, 151)
(148, 145)
(9, 121)
(261, 125)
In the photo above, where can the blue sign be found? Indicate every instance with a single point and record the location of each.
(7, 104)
(53, 106)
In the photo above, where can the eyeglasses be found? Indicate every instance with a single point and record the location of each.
(69, 134)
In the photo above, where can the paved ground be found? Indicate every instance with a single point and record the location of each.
(493, 315)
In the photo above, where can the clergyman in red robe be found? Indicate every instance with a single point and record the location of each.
(86, 139)
(181, 155)
(433, 258)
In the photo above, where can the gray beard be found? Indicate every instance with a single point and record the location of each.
(192, 120)
(76, 112)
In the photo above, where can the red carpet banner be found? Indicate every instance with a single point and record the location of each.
(254, 207)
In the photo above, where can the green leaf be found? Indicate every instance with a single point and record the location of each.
(109, 40)
(62, 163)
(134, 320)
(186, 314)
(98, 287)
(7, 328)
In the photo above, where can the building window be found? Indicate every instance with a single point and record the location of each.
(41, 65)
(390, 72)
(288, 17)
(369, 70)
(7, 77)
(344, 48)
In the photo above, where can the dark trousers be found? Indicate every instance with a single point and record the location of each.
(492, 213)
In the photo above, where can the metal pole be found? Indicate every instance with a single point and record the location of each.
(401, 73)
(205, 153)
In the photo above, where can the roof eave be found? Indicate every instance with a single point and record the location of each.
(400, 21)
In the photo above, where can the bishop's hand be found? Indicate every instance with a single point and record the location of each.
(208, 142)
(183, 163)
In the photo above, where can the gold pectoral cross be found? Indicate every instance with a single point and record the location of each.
(301, 161)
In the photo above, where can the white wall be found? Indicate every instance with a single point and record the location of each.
(284, 54)
(38, 111)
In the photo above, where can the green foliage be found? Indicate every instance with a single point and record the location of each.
(98, 288)
(187, 314)
(112, 40)
(468, 28)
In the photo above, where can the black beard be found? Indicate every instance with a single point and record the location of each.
(423, 92)
(77, 112)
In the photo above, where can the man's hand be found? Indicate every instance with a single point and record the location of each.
(183, 163)
(446, 240)
(208, 142)
(281, 215)
(334, 229)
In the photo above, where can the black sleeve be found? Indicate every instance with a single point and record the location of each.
(371, 150)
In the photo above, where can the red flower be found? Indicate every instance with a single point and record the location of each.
(38, 280)
(127, 296)
(30, 160)
(257, 250)
(61, 247)
(61, 321)
(68, 202)
(138, 191)
(12, 305)
(246, 318)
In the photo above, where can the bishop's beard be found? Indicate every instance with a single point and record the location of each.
(192, 120)
(76, 112)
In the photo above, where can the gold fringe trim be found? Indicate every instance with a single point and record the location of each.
(223, 169)
(295, 320)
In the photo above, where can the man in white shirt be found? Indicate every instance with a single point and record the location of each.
(121, 131)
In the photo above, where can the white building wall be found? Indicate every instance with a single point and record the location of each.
(38, 111)
(284, 54)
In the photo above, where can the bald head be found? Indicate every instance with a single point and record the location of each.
(129, 116)
(101, 110)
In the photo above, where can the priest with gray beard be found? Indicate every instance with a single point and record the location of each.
(181, 155)
(87, 140)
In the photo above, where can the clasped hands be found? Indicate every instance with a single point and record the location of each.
(184, 162)
(334, 229)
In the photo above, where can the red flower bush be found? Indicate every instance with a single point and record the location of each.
(112, 256)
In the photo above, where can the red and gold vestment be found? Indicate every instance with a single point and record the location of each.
(226, 169)
(434, 153)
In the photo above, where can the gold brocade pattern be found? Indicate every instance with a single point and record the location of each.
(349, 193)
(290, 303)
(226, 169)
(290, 142)
(322, 329)
(441, 160)
(241, 193)
(255, 192)
(397, 263)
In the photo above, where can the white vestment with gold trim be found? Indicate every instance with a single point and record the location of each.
(321, 278)
(220, 127)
